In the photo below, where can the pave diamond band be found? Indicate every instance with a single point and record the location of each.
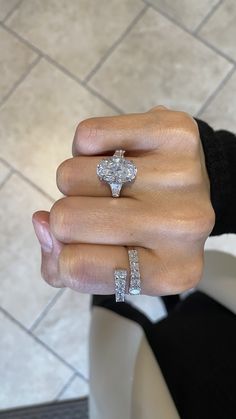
(116, 171)
(135, 279)
(120, 276)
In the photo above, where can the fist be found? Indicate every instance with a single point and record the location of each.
(166, 213)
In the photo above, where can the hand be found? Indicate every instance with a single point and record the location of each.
(166, 213)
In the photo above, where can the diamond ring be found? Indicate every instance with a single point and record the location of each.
(116, 171)
(135, 278)
(120, 276)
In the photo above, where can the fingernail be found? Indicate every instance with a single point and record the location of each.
(43, 235)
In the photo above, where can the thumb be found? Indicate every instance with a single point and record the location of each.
(50, 248)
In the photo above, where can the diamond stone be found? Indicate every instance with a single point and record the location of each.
(116, 170)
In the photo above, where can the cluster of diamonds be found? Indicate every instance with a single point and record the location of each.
(135, 280)
(120, 276)
(116, 169)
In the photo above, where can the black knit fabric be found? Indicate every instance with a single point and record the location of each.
(220, 157)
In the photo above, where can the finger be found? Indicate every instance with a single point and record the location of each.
(78, 176)
(124, 221)
(90, 269)
(137, 132)
(50, 249)
(99, 135)
(100, 221)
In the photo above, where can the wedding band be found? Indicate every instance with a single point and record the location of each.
(116, 171)
(135, 278)
(120, 277)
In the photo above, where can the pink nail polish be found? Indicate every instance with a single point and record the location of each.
(43, 235)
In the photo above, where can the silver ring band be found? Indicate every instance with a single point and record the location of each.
(135, 278)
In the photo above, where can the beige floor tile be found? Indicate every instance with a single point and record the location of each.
(221, 111)
(190, 13)
(4, 171)
(220, 30)
(163, 65)
(22, 292)
(39, 122)
(29, 374)
(15, 59)
(76, 33)
(65, 329)
(6, 6)
(78, 388)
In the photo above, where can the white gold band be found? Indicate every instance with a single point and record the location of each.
(135, 278)
(120, 277)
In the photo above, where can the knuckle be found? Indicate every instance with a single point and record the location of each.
(186, 277)
(196, 224)
(193, 273)
(189, 128)
(57, 219)
(157, 108)
(204, 222)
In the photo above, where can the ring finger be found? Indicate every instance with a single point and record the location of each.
(78, 176)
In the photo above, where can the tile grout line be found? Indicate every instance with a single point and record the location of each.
(43, 344)
(5, 180)
(207, 17)
(34, 185)
(81, 83)
(195, 36)
(89, 88)
(216, 91)
(61, 68)
(46, 309)
(215, 49)
(27, 180)
(115, 44)
(65, 386)
(20, 80)
(12, 11)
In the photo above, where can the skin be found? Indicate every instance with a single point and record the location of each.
(166, 213)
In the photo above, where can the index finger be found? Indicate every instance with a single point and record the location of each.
(100, 135)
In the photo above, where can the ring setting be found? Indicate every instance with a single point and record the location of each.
(116, 171)
(121, 277)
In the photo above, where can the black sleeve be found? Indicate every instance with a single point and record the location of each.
(220, 157)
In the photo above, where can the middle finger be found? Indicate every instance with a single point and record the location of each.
(99, 221)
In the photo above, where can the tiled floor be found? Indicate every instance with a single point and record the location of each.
(62, 62)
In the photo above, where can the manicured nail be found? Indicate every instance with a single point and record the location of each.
(43, 235)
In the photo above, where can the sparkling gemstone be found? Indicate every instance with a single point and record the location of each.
(116, 170)
(120, 284)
